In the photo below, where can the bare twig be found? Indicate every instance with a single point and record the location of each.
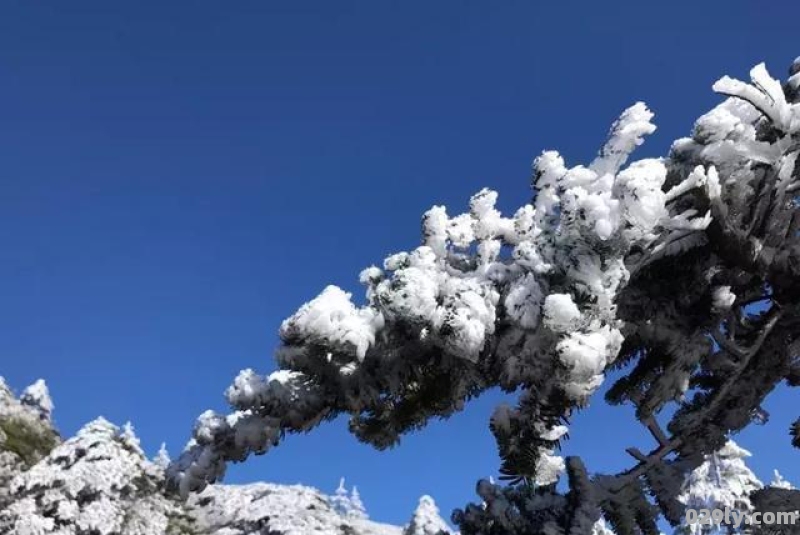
(638, 455)
(655, 430)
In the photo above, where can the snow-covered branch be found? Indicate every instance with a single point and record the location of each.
(641, 263)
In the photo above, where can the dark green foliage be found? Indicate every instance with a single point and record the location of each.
(30, 442)
(664, 482)
(702, 283)
(718, 360)
(530, 510)
(183, 524)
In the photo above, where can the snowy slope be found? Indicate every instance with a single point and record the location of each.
(286, 509)
(99, 482)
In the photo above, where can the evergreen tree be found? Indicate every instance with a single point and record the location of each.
(357, 509)
(779, 482)
(654, 265)
(348, 505)
(723, 481)
(95, 482)
(162, 458)
(426, 520)
(340, 501)
(37, 396)
(26, 433)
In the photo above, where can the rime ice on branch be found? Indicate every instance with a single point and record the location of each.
(611, 263)
(485, 300)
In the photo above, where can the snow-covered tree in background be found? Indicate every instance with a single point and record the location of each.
(99, 482)
(778, 482)
(617, 263)
(348, 505)
(357, 509)
(26, 432)
(37, 396)
(162, 458)
(93, 483)
(426, 520)
(722, 482)
(340, 501)
(128, 438)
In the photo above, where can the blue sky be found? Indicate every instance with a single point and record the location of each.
(176, 178)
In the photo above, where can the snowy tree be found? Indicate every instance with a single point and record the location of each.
(779, 482)
(357, 509)
(684, 269)
(37, 396)
(93, 483)
(348, 505)
(26, 432)
(128, 438)
(340, 501)
(722, 482)
(426, 520)
(162, 458)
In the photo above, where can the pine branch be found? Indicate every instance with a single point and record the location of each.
(656, 431)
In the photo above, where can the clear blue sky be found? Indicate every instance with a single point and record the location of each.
(176, 178)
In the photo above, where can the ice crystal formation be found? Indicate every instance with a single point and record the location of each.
(684, 268)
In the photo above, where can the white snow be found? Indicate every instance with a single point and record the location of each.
(561, 314)
(626, 134)
(722, 298)
(162, 458)
(286, 509)
(331, 316)
(556, 264)
(779, 482)
(533, 295)
(722, 481)
(97, 481)
(100, 482)
(426, 519)
(38, 395)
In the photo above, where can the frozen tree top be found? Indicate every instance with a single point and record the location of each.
(426, 520)
(722, 481)
(27, 416)
(162, 458)
(779, 482)
(34, 402)
(348, 505)
(37, 395)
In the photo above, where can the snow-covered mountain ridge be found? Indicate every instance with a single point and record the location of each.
(100, 482)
